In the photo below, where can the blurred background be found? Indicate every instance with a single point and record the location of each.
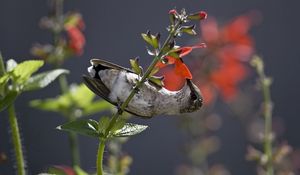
(113, 33)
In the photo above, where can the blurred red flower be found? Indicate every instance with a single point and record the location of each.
(76, 40)
(74, 26)
(229, 47)
(65, 169)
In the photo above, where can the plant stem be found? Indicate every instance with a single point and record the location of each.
(16, 140)
(268, 125)
(100, 157)
(73, 140)
(267, 113)
(128, 99)
(2, 68)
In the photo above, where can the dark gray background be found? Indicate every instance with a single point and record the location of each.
(113, 32)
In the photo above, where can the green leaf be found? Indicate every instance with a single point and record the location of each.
(24, 70)
(151, 39)
(157, 80)
(85, 127)
(10, 65)
(103, 124)
(130, 129)
(81, 96)
(135, 66)
(4, 79)
(118, 125)
(97, 106)
(43, 79)
(8, 99)
(154, 71)
(60, 104)
(188, 29)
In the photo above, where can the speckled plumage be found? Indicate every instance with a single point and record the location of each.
(114, 83)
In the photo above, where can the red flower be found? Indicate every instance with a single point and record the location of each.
(173, 12)
(74, 26)
(65, 169)
(203, 15)
(175, 77)
(228, 48)
(76, 40)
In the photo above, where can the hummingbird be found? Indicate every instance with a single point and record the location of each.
(114, 83)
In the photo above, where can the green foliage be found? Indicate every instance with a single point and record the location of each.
(152, 40)
(188, 29)
(42, 80)
(8, 99)
(22, 79)
(135, 66)
(129, 129)
(24, 70)
(85, 127)
(157, 80)
(79, 98)
(96, 129)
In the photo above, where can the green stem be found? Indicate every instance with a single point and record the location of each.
(128, 99)
(63, 83)
(2, 68)
(16, 139)
(73, 139)
(267, 114)
(100, 157)
(268, 127)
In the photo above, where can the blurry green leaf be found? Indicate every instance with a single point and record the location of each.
(82, 96)
(130, 129)
(103, 124)
(24, 70)
(43, 79)
(10, 65)
(188, 29)
(60, 104)
(157, 80)
(118, 125)
(4, 79)
(85, 127)
(135, 66)
(8, 99)
(96, 106)
(79, 97)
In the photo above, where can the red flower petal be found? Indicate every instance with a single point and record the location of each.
(173, 11)
(77, 39)
(203, 15)
(172, 81)
(182, 69)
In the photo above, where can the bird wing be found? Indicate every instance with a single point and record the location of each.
(109, 65)
(98, 87)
